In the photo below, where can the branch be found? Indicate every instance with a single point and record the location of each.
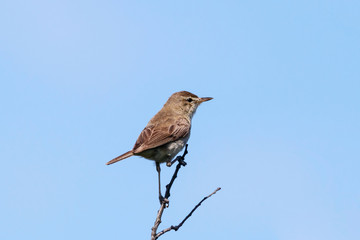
(181, 160)
(165, 201)
(157, 221)
(186, 218)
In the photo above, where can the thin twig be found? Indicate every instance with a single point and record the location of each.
(181, 161)
(165, 202)
(157, 221)
(183, 221)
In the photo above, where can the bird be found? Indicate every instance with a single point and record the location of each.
(167, 132)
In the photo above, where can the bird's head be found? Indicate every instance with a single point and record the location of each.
(185, 102)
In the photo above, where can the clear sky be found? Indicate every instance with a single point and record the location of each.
(80, 80)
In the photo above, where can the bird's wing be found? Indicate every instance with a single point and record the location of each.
(156, 135)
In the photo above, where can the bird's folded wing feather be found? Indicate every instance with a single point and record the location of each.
(156, 135)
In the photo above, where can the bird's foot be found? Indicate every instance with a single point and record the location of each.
(164, 201)
(170, 163)
(179, 159)
(182, 161)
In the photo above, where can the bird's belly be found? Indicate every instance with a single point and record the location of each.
(166, 152)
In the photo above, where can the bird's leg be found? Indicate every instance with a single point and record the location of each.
(179, 158)
(161, 198)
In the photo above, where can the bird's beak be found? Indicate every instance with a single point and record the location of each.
(204, 99)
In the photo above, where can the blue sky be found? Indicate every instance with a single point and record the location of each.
(80, 80)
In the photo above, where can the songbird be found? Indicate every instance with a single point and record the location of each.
(167, 132)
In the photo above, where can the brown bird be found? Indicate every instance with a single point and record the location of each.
(167, 132)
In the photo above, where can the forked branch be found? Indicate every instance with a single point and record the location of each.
(186, 218)
(165, 202)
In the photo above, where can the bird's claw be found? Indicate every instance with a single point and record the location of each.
(179, 159)
(164, 201)
(182, 162)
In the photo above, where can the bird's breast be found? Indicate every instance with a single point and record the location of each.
(166, 152)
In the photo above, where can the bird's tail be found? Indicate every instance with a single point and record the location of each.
(121, 157)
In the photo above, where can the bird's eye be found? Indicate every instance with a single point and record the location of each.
(189, 100)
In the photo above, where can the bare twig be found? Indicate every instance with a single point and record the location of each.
(165, 201)
(183, 221)
(181, 160)
(157, 221)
